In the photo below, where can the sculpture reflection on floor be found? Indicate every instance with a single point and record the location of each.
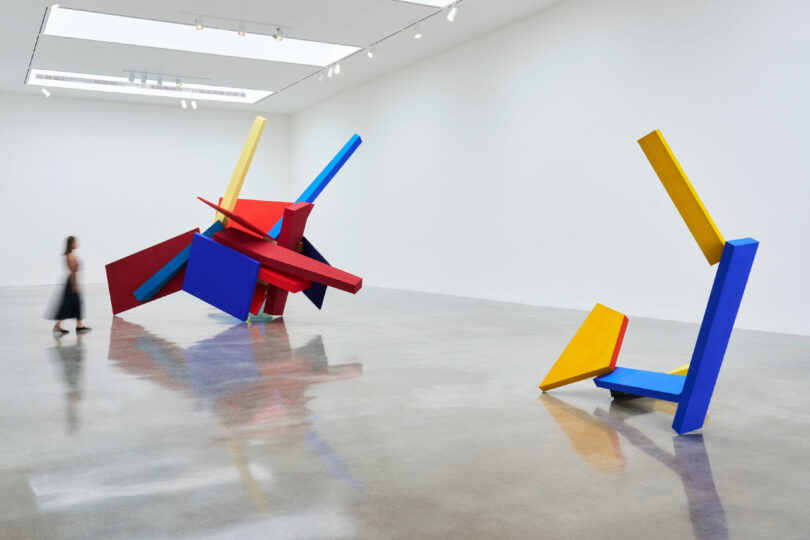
(234, 370)
(588, 434)
(249, 375)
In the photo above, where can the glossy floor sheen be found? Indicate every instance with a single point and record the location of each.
(388, 415)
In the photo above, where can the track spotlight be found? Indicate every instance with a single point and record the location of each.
(131, 78)
(143, 78)
(417, 33)
(183, 104)
(371, 51)
(198, 24)
(329, 73)
(279, 35)
(45, 92)
(241, 30)
(193, 104)
(337, 68)
(178, 83)
(451, 15)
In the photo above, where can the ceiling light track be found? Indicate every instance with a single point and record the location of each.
(148, 87)
(371, 50)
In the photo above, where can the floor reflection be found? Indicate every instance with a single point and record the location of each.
(250, 377)
(248, 374)
(594, 437)
(70, 359)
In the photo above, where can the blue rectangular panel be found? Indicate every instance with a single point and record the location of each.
(311, 193)
(643, 383)
(715, 332)
(221, 276)
(317, 291)
(152, 285)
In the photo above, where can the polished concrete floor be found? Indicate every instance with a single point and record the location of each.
(387, 415)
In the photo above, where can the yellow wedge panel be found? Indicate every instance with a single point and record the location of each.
(684, 196)
(592, 351)
(238, 177)
(683, 370)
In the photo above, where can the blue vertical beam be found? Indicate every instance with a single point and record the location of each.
(715, 331)
(160, 278)
(311, 193)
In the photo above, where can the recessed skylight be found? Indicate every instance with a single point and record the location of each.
(90, 25)
(431, 3)
(150, 87)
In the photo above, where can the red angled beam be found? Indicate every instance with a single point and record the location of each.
(285, 260)
(238, 219)
(290, 235)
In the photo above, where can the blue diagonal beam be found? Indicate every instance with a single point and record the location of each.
(311, 193)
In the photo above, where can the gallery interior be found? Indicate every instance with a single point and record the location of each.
(404, 269)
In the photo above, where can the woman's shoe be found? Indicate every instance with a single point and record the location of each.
(60, 331)
(81, 329)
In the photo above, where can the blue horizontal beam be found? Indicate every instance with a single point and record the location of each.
(643, 383)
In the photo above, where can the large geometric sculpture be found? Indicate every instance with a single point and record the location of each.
(691, 386)
(245, 267)
(593, 350)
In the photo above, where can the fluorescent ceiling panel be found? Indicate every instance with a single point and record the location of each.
(90, 25)
(431, 3)
(121, 85)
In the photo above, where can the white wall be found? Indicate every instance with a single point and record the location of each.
(120, 176)
(508, 168)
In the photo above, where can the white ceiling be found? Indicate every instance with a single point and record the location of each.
(350, 22)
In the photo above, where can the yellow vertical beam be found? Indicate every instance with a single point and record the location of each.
(684, 196)
(238, 177)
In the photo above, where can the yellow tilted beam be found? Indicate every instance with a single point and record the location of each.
(684, 196)
(238, 177)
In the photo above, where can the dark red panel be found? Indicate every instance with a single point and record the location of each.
(127, 274)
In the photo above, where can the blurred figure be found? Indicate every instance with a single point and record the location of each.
(70, 306)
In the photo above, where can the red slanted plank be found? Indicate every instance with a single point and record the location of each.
(285, 260)
(237, 218)
(263, 214)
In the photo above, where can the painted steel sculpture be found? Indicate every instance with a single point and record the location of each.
(247, 261)
(595, 347)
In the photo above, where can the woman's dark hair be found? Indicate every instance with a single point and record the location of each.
(69, 244)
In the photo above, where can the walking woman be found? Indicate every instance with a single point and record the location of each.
(71, 305)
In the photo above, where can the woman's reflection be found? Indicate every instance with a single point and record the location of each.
(70, 359)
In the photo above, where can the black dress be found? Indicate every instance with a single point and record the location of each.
(71, 305)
